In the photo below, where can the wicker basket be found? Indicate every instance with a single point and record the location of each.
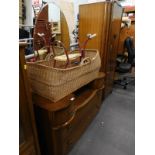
(55, 83)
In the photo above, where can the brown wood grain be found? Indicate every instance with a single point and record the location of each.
(59, 128)
(104, 19)
(64, 31)
(30, 145)
(91, 21)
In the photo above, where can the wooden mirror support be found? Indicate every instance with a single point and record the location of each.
(42, 27)
(28, 140)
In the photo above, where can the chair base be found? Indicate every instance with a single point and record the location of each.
(124, 81)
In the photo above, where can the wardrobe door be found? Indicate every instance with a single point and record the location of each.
(115, 27)
(91, 20)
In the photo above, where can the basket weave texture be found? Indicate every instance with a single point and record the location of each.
(56, 83)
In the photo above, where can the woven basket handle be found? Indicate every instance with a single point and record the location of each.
(49, 56)
(85, 61)
(65, 50)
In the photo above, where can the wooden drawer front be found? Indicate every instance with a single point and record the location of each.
(97, 84)
(82, 119)
(62, 116)
(30, 151)
(83, 110)
(27, 148)
(66, 137)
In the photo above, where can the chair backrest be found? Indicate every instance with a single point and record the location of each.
(128, 44)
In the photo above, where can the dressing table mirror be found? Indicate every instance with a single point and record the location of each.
(50, 24)
(58, 122)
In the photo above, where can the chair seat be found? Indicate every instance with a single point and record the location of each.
(124, 67)
(120, 58)
(71, 56)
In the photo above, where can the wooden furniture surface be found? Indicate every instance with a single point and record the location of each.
(61, 124)
(104, 19)
(64, 31)
(28, 142)
(63, 36)
(42, 26)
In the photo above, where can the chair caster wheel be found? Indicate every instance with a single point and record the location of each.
(124, 87)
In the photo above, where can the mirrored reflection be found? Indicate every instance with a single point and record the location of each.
(52, 16)
(59, 24)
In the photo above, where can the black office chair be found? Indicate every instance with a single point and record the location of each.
(125, 64)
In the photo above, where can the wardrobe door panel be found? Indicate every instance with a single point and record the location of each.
(117, 11)
(91, 20)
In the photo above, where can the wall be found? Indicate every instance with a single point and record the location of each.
(78, 2)
(29, 17)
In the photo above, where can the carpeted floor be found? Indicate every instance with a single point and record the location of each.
(112, 131)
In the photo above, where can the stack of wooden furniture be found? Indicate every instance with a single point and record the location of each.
(61, 124)
(104, 19)
(28, 141)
